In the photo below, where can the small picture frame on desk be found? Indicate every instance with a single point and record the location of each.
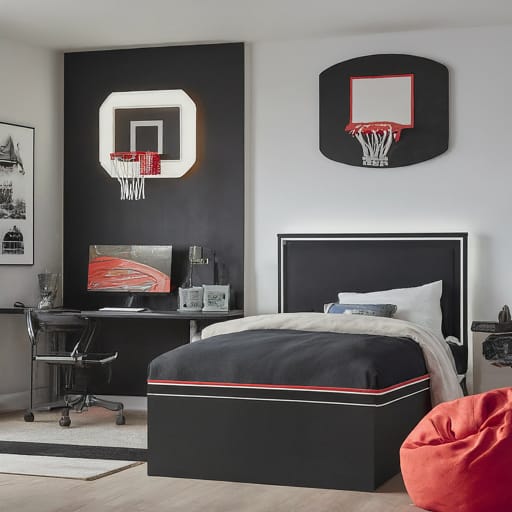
(215, 297)
(191, 299)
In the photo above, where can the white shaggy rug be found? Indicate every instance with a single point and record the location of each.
(94, 427)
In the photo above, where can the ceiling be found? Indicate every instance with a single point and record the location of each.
(94, 24)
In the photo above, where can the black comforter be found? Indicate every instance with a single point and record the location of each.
(290, 357)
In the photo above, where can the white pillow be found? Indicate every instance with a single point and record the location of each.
(421, 304)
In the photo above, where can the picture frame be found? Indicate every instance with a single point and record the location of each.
(215, 297)
(190, 299)
(16, 194)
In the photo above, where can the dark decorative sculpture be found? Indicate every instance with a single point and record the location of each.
(504, 315)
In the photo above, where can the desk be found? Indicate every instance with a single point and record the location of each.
(139, 337)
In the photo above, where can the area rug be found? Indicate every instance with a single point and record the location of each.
(73, 451)
(92, 435)
(61, 467)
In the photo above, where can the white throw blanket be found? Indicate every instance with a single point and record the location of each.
(438, 358)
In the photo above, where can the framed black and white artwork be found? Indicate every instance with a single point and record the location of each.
(16, 194)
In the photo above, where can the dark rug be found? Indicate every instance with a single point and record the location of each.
(73, 450)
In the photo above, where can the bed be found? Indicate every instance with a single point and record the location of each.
(217, 410)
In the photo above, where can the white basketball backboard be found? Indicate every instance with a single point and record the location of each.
(150, 99)
(382, 99)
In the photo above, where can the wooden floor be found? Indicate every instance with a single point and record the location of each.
(133, 491)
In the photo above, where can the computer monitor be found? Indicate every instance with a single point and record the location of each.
(132, 269)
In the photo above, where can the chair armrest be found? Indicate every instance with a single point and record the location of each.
(56, 358)
(98, 359)
(77, 359)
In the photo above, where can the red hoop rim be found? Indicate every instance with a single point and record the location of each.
(147, 162)
(378, 127)
(132, 155)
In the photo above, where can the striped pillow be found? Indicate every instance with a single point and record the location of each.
(387, 310)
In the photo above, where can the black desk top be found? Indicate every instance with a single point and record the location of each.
(11, 311)
(165, 315)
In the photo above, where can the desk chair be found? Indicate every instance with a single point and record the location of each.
(63, 322)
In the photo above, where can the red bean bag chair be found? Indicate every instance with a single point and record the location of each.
(459, 456)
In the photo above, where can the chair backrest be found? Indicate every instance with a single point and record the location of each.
(30, 326)
(53, 321)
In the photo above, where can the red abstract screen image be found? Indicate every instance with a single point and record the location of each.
(130, 268)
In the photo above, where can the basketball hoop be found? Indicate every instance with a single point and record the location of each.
(380, 108)
(375, 139)
(130, 168)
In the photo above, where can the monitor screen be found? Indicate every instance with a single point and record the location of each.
(130, 268)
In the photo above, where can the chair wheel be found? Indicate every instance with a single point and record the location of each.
(120, 419)
(28, 417)
(65, 421)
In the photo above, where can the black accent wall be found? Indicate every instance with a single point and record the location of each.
(204, 207)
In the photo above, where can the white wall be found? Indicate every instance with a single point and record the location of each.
(31, 94)
(292, 187)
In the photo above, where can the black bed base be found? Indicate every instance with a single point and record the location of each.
(281, 442)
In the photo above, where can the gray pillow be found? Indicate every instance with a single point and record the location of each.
(387, 310)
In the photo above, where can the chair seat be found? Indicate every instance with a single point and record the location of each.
(458, 457)
(77, 359)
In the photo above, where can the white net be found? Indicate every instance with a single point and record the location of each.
(131, 168)
(375, 139)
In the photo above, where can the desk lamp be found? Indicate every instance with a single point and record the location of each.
(190, 296)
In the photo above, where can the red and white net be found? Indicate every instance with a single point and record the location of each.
(130, 168)
(375, 140)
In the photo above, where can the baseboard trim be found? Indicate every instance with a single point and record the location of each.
(19, 401)
(14, 401)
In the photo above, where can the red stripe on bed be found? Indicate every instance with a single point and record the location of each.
(285, 386)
